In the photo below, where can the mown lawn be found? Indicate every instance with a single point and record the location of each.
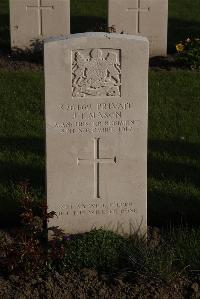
(174, 147)
(22, 137)
(91, 15)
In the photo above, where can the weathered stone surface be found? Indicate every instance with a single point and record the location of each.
(33, 20)
(147, 18)
(96, 131)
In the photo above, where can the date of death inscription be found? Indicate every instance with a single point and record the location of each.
(97, 118)
(112, 208)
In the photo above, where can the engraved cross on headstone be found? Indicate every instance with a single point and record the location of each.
(96, 162)
(40, 8)
(138, 10)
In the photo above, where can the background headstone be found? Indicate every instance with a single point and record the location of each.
(33, 20)
(147, 18)
(96, 131)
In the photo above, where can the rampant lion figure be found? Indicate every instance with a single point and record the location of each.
(95, 75)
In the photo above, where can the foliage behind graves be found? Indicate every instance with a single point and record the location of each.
(189, 53)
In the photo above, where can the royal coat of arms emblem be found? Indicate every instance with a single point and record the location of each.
(96, 72)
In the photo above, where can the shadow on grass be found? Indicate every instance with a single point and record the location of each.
(32, 144)
(166, 209)
(15, 171)
(81, 24)
(4, 33)
(172, 204)
(177, 204)
(180, 171)
(180, 30)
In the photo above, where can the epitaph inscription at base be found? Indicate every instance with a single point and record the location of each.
(96, 132)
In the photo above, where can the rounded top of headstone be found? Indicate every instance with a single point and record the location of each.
(99, 35)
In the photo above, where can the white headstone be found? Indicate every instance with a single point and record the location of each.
(96, 131)
(33, 20)
(147, 18)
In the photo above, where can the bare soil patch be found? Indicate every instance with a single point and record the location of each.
(88, 283)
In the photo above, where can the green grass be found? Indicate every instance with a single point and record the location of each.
(174, 150)
(88, 15)
(91, 15)
(21, 137)
(177, 253)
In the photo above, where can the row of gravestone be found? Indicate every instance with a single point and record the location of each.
(33, 20)
(96, 91)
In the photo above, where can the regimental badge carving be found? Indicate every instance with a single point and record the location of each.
(96, 73)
